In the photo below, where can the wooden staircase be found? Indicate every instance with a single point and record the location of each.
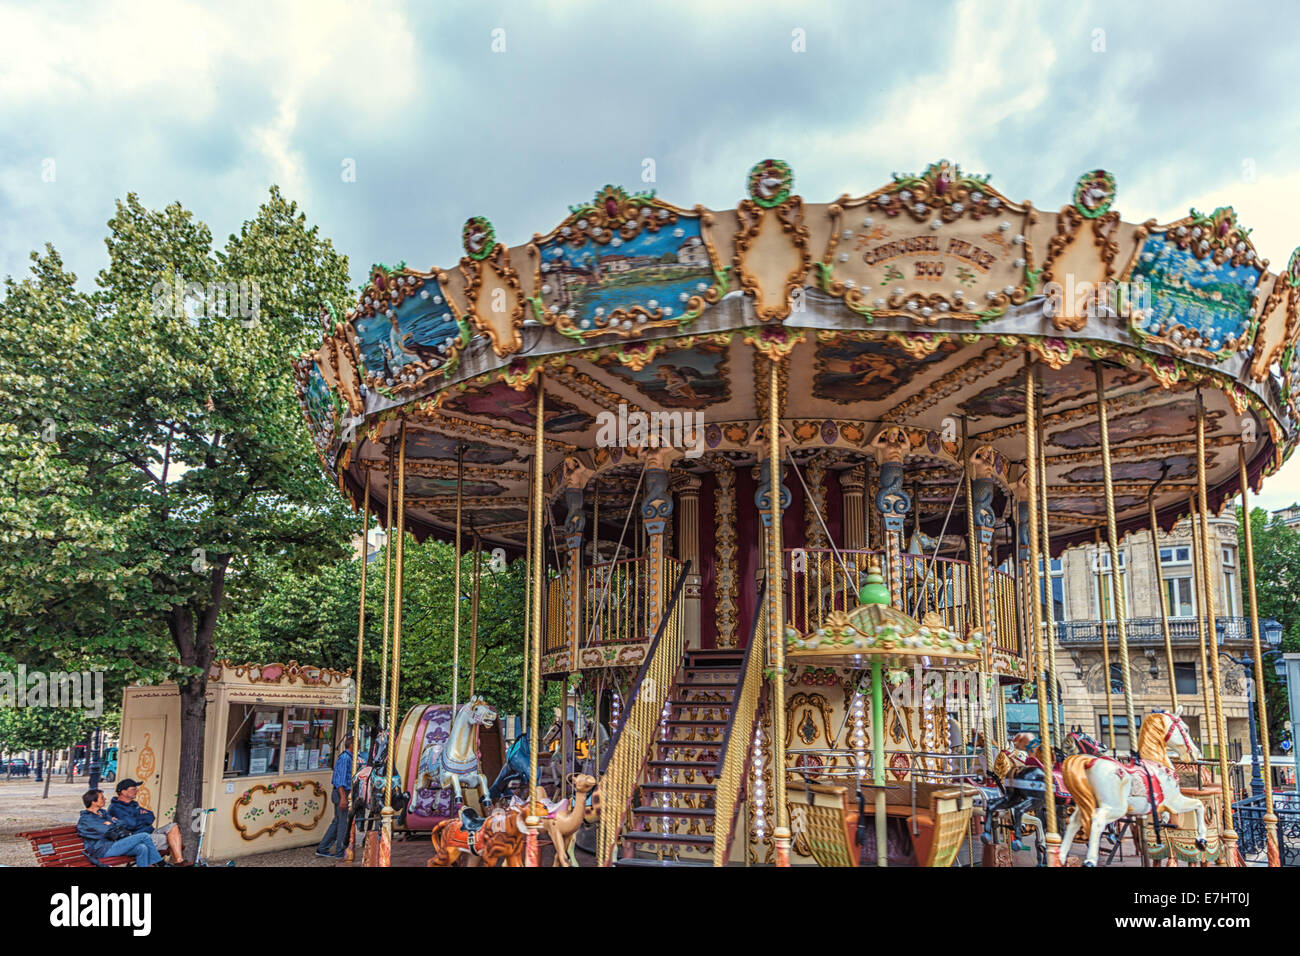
(672, 820)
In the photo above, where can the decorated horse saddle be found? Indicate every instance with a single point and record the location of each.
(470, 821)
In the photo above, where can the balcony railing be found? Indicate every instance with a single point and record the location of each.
(1148, 630)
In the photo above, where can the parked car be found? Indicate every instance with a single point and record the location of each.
(17, 767)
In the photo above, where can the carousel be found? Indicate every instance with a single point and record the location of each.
(786, 477)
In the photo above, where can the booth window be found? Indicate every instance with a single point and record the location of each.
(308, 738)
(253, 737)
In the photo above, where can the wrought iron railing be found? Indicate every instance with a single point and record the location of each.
(819, 582)
(616, 600)
(1148, 630)
(1248, 820)
(626, 757)
(556, 635)
(736, 741)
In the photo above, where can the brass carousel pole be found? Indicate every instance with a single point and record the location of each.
(538, 562)
(361, 644)
(528, 616)
(1229, 857)
(1053, 838)
(1270, 816)
(455, 610)
(1160, 600)
(776, 621)
(1105, 640)
(1198, 586)
(386, 843)
(975, 604)
(473, 614)
(1049, 618)
(1116, 579)
(388, 590)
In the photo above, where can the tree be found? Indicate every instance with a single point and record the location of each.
(312, 616)
(1277, 589)
(178, 462)
(41, 728)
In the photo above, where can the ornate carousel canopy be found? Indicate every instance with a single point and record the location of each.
(906, 314)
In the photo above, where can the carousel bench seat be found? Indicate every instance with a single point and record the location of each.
(60, 846)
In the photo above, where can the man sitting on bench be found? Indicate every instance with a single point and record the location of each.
(124, 810)
(104, 838)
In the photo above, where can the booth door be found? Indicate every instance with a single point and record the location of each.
(141, 756)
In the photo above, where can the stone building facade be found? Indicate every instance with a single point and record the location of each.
(1081, 599)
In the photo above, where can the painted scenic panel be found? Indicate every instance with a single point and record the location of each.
(1180, 467)
(869, 370)
(694, 378)
(1214, 299)
(1176, 419)
(1090, 506)
(1006, 399)
(421, 486)
(499, 400)
(320, 402)
(420, 444)
(421, 325)
(655, 269)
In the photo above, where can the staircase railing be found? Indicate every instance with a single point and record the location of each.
(625, 759)
(736, 742)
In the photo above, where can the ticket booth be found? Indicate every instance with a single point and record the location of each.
(273, 733)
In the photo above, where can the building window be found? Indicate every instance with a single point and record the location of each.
(1179, 598)
(1185, 678)
(1230, 581)
(1057, 579)
(1122, 745)
(1116, 679)
(1176, 554)
(1102, 572)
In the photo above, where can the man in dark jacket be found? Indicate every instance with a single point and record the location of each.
(102, 837)
(124, 809)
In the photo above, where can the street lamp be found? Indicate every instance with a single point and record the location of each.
(1256, 780)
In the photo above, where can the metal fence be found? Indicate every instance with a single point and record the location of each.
(1248, 820)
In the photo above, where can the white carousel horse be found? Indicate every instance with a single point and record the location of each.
(458, 761)
(1104, 789)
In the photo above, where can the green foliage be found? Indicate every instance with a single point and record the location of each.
(148, 449)
(312, 617)
(1277, 577)
(41, 728)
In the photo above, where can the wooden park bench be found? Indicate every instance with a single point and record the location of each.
(60, 846)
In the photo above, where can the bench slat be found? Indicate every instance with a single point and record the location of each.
(60, 846)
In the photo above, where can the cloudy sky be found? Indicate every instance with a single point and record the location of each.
(517, 110)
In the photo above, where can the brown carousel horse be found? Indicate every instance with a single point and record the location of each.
(491, 840)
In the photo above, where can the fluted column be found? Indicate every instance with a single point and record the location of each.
(687, 489)
(656, 510)
(853, 483)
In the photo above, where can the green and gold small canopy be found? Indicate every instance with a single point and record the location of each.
(876, 632)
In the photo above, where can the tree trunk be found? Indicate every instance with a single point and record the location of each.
(49, 756)
(196, 650)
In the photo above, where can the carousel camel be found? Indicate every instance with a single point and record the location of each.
(561, 827)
